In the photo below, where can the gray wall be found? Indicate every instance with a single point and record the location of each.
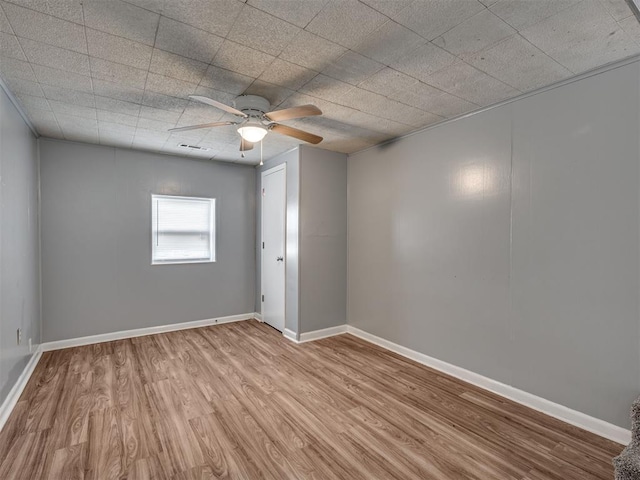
(507, 243)
(323, 239)
(96, 255)
(19, 244)
(292, 293)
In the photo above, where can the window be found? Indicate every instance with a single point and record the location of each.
(182, 229)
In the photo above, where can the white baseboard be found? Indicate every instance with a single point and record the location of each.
(14, 394)
(573, 417)
(324, 333)
(140, 332)
(258, 316)
(290, 335)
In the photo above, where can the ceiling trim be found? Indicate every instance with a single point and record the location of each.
(634, 5)
(16, 104)
(590, 73)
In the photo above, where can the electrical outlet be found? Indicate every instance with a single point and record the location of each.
(19, 336)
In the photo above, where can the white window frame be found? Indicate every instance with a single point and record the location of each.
(212, 237)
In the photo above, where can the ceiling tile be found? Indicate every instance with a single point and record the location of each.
(69, 96)
(298, 13)
(582, 37)
(118, 49)
(117, 106)
(311, 51)
(164, 102)
(474, 34)
(618, 9)
(120, 118)
(287, 74)
(177, 66)
(389, 42)
(18, 86)
(214, 16)
(54, 57)
(447, 105)
(196, 113)
(30, 102)
(432, 18)
(70, 10)
(471, 84)
(159, 115)
(326, 88)
(170, 86)
(346, 22)
(223, 97)
(190, 42)
(423, 61)
(83, 124)
(9, 46)
(117, 91)
(118, 73)
(155, 125)
(261, 31)
(401, 87)
(519, 64)
(238, 58)
(70, 109)
(632, 28)
(352, 68)
(382, 106)
(151, 136)
(121, 19)
(4, 23)
(16, 69)
(199, 117)
(388, 7)
(45, 28)
(60, 78)
(274, 93)
(152, 5)
(523, 13)
(46, 124)
(225, 80)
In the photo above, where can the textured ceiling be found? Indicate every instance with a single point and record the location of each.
(119, 73)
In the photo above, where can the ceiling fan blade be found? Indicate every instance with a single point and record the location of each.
(216, 104)
(294, 112)
(204, 125)
(244, 145)
(299, 134)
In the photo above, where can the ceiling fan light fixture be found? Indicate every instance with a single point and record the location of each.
(252, 132)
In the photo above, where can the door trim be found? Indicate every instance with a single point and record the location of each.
(282, 166)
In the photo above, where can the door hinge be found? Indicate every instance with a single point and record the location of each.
(263, 298)
(263, 245)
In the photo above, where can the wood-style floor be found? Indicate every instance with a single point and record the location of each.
(239, 401)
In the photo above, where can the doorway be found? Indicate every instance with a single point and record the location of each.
(273, 252)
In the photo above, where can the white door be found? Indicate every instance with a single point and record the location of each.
(273, 246)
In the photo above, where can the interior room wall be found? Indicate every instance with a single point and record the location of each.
(323, 239)
(97, 275)
(19, 244)
(507, 243)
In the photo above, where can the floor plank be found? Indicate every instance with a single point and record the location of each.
(238, 401)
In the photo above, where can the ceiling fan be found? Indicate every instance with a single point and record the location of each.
(256, 119)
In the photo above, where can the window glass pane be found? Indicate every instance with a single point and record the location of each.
(182, 229)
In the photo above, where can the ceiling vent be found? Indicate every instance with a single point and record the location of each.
(193, 147)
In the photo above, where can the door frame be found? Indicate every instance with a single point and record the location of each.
(282, 166)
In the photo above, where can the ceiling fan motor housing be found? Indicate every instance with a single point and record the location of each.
(252, 105)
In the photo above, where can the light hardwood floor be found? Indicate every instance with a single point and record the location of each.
(239, 401)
